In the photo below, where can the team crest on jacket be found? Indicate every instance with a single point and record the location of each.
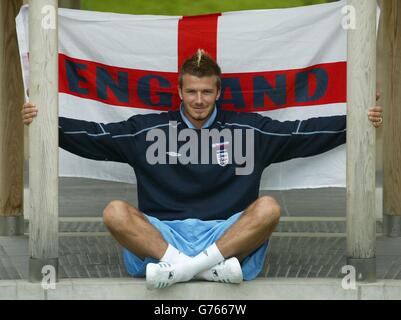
(221, 153)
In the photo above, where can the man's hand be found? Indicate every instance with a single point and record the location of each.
(375, 113)
(29, 111)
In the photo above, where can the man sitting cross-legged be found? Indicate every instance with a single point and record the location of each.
(198, 219)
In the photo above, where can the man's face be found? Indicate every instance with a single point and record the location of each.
(199, 96)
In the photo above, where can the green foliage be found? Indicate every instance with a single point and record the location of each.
(185, 7)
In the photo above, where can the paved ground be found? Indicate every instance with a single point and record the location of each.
(307, 243)
(290, 256)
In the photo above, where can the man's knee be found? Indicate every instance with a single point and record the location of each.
(267, 210)
(117, 214)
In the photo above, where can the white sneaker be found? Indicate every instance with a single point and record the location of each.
(159, 275)
(227, 271)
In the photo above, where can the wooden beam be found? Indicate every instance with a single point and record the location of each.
(389, 79)
(43, 136)
(11, 128)
(361, 91)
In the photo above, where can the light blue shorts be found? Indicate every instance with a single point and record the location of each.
(192, 236)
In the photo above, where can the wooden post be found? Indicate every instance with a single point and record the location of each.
(43, 137)
(361, 91)
(389, 80)
(11, 128)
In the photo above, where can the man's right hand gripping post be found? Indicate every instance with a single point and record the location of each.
(29, 111)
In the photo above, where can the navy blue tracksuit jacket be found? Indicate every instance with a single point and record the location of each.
(205, 191)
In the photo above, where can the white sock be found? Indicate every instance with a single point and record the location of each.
(174, 256)
(205, 260)
(205, 275)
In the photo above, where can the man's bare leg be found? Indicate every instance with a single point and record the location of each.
(252, 229)
(131, 228)
(133, 231)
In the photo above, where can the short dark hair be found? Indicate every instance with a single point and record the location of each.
(200, 65)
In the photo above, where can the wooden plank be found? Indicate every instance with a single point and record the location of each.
(11, 100)
(43, 132)
(389, 77)
(361, 89)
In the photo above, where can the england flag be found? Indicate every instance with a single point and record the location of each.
(286, 64)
